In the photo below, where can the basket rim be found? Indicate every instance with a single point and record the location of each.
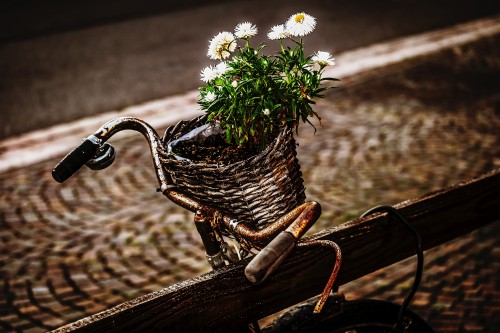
(283, 133)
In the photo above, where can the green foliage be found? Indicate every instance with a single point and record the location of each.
(257, 93)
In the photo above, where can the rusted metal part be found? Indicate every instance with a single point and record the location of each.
(271, 256)
(208, 220)
(209, 238)
(333, 276)
(179, 198)
(129, 123)
(217, 260)
(104, 157)
(308, 213)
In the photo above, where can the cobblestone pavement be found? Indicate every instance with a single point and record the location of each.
(100, 239)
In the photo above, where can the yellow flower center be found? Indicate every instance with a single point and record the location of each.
(299, 18)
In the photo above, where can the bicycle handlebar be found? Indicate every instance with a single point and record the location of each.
(75, 159)
(79, 156)
(270, 257)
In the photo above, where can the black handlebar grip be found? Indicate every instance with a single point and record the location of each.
(270, 257)
(72, 162)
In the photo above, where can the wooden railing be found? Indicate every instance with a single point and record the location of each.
(222, 301)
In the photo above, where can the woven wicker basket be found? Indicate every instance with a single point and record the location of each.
(257, 190)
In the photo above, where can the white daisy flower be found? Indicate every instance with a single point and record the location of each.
(278, 32)
(245, 30)
(300, 24)
(323, 58)
(208, 74)
(221, 46)
(210, 97)
(222, 68)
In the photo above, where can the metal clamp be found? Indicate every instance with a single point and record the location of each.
(233, 223)
(217, 260)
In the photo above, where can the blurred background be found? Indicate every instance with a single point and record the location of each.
(388, 134)
(60, 61)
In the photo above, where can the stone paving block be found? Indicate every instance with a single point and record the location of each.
(22, 324)
(112, 284)
(135, 279)
(422, 300)
(10, 318)
(114, 300)
(95, 308)
(33, 330)
(55, 306)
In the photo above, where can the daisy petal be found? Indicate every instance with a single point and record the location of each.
(208, 74)
(221, 46)
(300, 24)
(210, 97)
(278, 32)
(323, 58)
(245, 30)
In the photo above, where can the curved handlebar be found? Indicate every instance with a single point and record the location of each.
(75, 159)
(87, 150)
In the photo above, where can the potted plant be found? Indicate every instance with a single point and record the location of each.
(252, 94)
(252, 102)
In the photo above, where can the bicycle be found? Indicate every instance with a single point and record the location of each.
(274, 241)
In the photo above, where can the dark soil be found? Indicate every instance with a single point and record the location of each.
(214, 150)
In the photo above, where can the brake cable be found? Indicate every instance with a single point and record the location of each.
(420, 257)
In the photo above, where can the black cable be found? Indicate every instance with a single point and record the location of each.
(420, 255)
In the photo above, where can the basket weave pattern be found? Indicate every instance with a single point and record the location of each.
(257, 190)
